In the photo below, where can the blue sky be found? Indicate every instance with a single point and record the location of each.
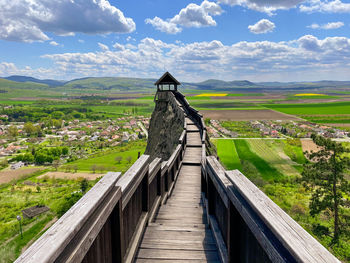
(257, 40)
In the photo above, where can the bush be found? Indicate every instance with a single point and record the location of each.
(67, 203)
(298, 209)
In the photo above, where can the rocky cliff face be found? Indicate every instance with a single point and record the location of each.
(165, 128)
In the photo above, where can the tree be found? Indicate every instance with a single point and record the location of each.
(325, 176)
(75, 167)
(128, 159)
(84, 184)
(118, 159)
(13, 131)
(56, 164)
(29, 128)
(93, 168)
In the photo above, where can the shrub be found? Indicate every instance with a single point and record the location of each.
(298, 209)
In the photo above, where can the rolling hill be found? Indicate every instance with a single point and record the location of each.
(49, 82)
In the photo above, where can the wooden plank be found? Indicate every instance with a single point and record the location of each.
(293, 237)
(182, 137)
(189, 121)
(192, 128)
(51, 244)
(221, 246)
(80, 245)
(174, 155)
(154, 167)
(193, 155)
(175, 254)
(217, 174)
(179, 246)
(178, 228)
(143, 260)
(136, 239)
(194, 139)
(131, 180)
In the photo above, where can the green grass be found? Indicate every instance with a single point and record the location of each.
(228, 154)
(222, 104)
(268, 172)
(312, 108)
(293, 149)
(327, 119)
(20, 195)
(270, 150)
(107, 159)
(316, 97)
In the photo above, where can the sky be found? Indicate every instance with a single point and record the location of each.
(255, 40)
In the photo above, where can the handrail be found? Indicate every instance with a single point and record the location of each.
(62, 236)
(237, 208)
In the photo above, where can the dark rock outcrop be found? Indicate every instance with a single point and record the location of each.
(165, 128)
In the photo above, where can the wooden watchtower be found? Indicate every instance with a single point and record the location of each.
(167, 83)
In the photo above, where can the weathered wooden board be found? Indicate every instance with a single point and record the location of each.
(298, 242)
(177, 254)
(194, 139)
(193, 155)
(49, 246)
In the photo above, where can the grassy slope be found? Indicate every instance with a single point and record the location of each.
(269, 151)
(228, 154)
(268, 172)
(108, 159)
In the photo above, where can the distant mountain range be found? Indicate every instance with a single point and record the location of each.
(126, 84)
(49, 82)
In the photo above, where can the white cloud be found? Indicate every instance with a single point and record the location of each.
(54, 43)
(305, 58)
(103, 47)
(327, 6)
(266, 6)
(328, 26)
(261, 27)
(164, 26)
(81, 41)
(192, 15)
(30, 20)
(118, 46)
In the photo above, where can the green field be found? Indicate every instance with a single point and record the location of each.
(228, 154)
(262, 154)
(222, 104)
(272, 152)
(332, 108)
(107, 159)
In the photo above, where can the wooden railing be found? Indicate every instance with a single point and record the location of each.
(247, 225)
(107, 223)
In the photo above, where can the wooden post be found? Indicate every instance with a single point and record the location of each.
(118, 233)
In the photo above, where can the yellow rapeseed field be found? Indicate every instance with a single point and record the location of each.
(309, 94)
(212, 95)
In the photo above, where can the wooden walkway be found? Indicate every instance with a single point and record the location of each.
(180, 232)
